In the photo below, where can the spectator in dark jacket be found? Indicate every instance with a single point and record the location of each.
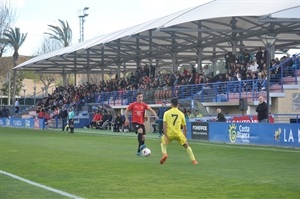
(161, 111)
(5, 112)
(262, 110)
(107, 119)
(64, 117)
(118, 123)
(220, 117)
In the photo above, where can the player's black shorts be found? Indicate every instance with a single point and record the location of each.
(136, 126)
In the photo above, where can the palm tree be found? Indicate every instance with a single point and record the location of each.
(62, 33)
(14, 38)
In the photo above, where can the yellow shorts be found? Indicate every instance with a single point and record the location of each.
(181, 139)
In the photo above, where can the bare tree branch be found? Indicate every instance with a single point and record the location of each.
(48, 45)
(7, 19)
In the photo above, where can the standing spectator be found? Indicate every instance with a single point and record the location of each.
(5, 112)
(259, 55)
(152, 71)
(64, 116)
(71, 116)
(17, 106)
(229, 59)
(220, 117)
(262, 110)
(118, 123)
(161, 111)
(173, 122)
(138, 109)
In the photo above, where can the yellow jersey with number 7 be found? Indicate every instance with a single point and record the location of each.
(174, 119)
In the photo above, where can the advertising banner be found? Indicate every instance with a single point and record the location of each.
(199, 130)
(248, 119)
(286, 135)
(22, 123)
(2, 121)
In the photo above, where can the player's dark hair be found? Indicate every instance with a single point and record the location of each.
(139, 93)
(174, 102)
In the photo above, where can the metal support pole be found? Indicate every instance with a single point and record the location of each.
(269, 41)
(24, 96)
(268, 78)
(9, 90)
(34, 94)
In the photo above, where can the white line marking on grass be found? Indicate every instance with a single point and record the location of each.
(252, 147)
(42, 186)
(219, 144)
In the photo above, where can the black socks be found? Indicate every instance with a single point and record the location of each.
(140, 140)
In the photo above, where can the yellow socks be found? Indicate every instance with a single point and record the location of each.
(163, 148)
(190, 152)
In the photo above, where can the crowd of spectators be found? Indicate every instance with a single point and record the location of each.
(243, 66)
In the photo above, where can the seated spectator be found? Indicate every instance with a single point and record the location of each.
(252, 67)
(197, 113)
(207, 72)
(97, 119)
(41, 114)
(46, 117)
(107, 120)
(189, 114)
(261, 81)
(276, 75)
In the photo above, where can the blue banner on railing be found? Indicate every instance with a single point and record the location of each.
(22, 123)
(286, 135)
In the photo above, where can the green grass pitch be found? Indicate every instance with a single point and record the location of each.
(102, 164)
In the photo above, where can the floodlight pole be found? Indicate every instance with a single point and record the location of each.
(34, 92)
(24, 89)
(9, 84)
(1, 98)
(82, 14)
(268, 41)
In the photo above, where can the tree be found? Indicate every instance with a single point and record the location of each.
(7, 18)
(15, 39)
(9, 78)
(62, 34)
(47, 46)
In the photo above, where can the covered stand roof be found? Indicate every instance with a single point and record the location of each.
(209, 30)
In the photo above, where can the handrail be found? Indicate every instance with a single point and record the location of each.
(209, 92)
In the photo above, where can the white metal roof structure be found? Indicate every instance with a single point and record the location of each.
(199, 33)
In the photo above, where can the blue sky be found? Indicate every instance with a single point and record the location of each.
(105, 16)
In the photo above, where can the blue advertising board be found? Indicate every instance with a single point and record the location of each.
(285, 135)
(22, 123)
(79, 122)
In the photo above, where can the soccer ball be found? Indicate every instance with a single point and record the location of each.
(126, 130)
(146, 152)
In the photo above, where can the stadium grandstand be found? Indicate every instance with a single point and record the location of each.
(215, 58)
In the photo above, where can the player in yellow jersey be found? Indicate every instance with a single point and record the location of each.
(174, 120)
